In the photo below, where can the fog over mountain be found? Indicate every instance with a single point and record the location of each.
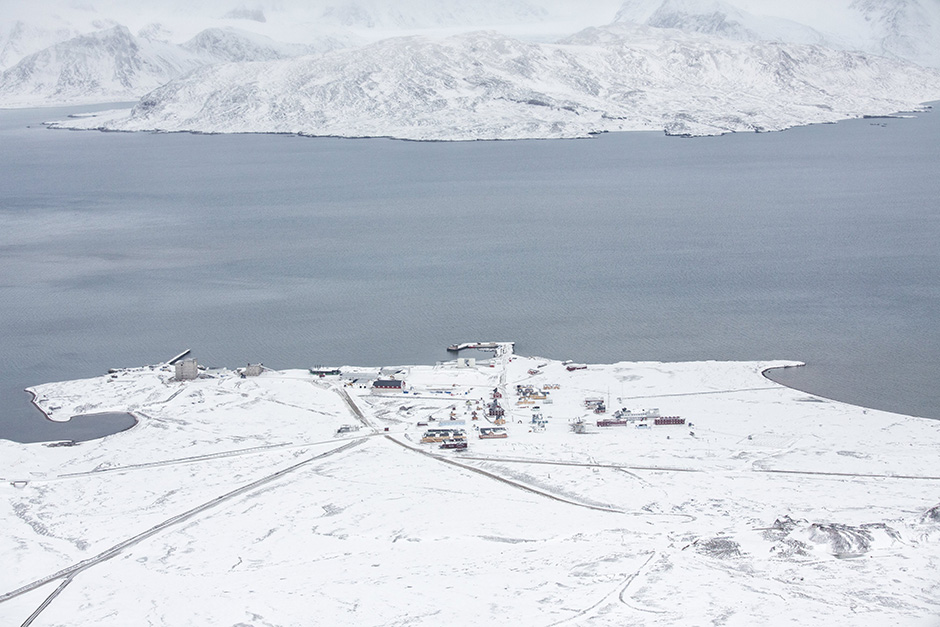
(902, 29)
(413, 68)
(62, 52)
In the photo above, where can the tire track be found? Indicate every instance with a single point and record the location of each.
(509, 482)
(823, 473)
(522, 460)
(49, 599)
(515, 484)
(71, 571)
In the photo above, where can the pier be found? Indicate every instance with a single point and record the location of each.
(178, 357)
(486, 346)
(497, 347)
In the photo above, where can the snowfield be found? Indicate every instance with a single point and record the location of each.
(235, 501)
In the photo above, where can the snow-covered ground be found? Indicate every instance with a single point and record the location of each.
(235, 501)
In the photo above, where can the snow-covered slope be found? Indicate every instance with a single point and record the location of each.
(487, 86)
(19, 39)
(908, 29)
(79, 55)
(32, 26)
(108, 65)
(686, 66)
(232, 45)
(714, 17)
(903, 29)
(430, 13)
(113, 64)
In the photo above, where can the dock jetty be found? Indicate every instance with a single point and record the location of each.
(178, 357)
(485, 346)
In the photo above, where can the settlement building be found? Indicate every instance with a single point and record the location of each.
(323, 371)
(186, 369)
(388, 384)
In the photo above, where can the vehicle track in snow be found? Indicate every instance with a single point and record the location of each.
(619, 591)
(823, 473)
(73, 570)
(255, 450)
(49, 599)
(362, 417)
(516, 484)
(522, 460)
(706, 392)
(633, 578)
(510, 482)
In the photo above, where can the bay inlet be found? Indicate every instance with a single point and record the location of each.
(815, 244)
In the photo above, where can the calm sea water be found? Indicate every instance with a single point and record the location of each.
(818, 244)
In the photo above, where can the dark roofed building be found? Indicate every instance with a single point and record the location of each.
(388, 384)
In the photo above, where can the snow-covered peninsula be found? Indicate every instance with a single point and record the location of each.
(291, 497)
(481, 70)
(488, 86)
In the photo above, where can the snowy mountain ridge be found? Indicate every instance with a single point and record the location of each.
(487, 86)
(107, 65)
(691, 67)
(227, 45)
(114, 65)
(721, 19)
(901, 29)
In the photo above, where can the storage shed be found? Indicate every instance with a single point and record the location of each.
(388, 384)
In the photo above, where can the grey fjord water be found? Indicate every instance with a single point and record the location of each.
(817, 244)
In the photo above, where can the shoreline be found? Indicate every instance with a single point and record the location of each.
(35, 403)
(765, 374)
(74, 419)
(926, 106)
(834, 399)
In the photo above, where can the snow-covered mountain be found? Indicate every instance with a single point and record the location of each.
(687, 66)
(113, 64)
(33, 26)
(224, 45)
(903, 29)
(65, 52)
(488, 86)
(908, 29)
(714, 17)
(107, 65)
(430, 13)
(19, 38)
